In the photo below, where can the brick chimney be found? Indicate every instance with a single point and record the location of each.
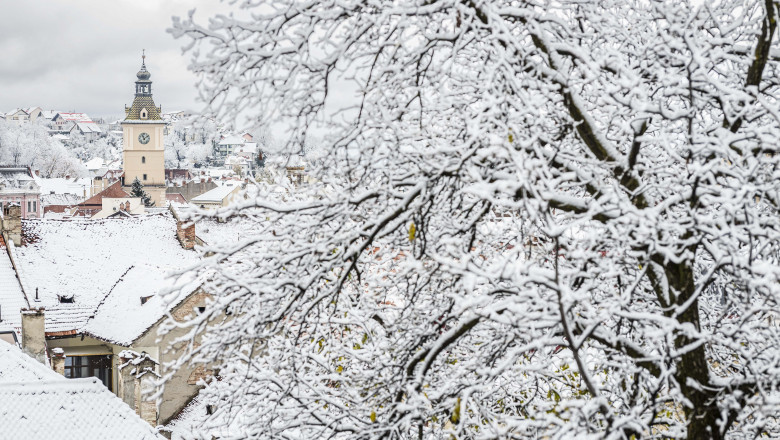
(11, 225)
(33, 334)
(137, 374)
(185, 232)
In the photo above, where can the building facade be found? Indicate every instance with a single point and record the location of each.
(143, 146)
(18, 186)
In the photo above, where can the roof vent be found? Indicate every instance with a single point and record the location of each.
(144, 299)
(65, 299)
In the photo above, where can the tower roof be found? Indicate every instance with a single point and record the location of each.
(143, 74)
(143, 107)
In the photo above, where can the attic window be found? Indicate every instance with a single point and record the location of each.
(65, 299)
(144, 299)
(201, 309)
(144, 113)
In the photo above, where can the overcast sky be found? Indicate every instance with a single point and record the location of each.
(83, 55)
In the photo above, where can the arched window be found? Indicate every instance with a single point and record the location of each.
(144, 113)
(143, 159)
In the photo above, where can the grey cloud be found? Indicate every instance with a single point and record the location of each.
(82, 55)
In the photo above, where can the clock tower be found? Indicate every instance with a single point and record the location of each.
(142, 143)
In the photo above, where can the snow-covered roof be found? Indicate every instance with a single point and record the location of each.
(219, 173)
(233, 230)
(17, 178)
(85, 258)
(217, 194)
(60, 199)
(59, 185)
(41, 404)
(16, 367)
(95, 163)
(65, 318)
(15, 111)
(122, 317)
(68, 408)
(12, 299)
(232, 140)
(248, 147)
(76, 117)
(48, 114)
(60, 137)
(87, 127)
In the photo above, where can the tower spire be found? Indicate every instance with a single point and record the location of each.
(143, 57)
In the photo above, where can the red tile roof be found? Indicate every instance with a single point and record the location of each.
(114, 190)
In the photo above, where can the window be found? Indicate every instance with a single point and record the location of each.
(35, 206)
(89, 366)
(143, 159)
(144, 176)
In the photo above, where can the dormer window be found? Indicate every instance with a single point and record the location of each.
(65, 299)
(144, 299)
(144, 113)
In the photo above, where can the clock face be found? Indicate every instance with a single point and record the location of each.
(143, 138)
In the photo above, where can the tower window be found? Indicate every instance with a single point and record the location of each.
(144, 176)
(143, 159)
(144, 113)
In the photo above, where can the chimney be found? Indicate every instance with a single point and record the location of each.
(58, 360)
(185, 232)
(11, 223)
(33, 334)
(137, 374)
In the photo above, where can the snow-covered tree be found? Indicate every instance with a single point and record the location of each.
(538, 220)
(30, 145)
(137, 190)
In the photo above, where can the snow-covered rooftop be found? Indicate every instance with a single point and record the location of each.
(59, 185)
(217, 194)
(78, 117)
(233, 230)
(15, 367)
(87, 127)
(122, 317)
(86, 258)
(68, 408)
(248, 147)
(12, 300)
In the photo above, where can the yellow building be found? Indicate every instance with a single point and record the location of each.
(143, 146)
